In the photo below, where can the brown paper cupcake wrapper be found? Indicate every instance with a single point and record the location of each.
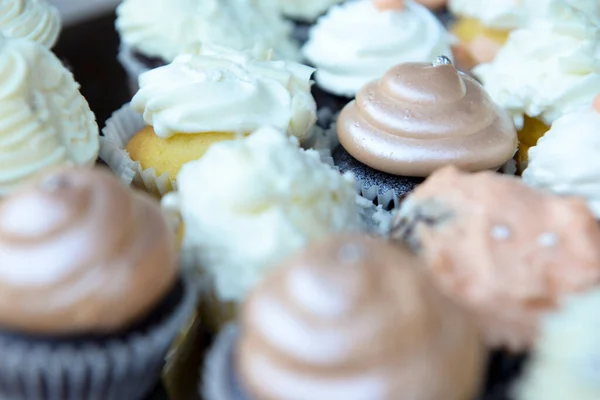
(119, 129)
(218, 380)
(132, 66)
(119, 369)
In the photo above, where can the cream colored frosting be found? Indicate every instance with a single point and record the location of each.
(159, 28)
(355, 318)
(548, 69)
(305, 10)
(356, 43)
(81, 253)
(507, 252)
(221, 90)
(36, 20)
(498, 14)
(44, 120)
(249, 203)
(566, 160)
(565, 360)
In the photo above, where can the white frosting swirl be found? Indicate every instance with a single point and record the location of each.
(219, 90)
(249, 203)
(36, 20)
(305, 10)
(566, 160)
(159, 28)
(44, 120)
(566, 359)
(356, 43)
(548, 69)
(498, 14)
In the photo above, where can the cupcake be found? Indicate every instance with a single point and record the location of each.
(356, 42)
(417, 118)
(35, 20)
(154, 32)
(564, 161)
(44, 120)
(201, 98)
(91, 293)
(565, 359)
(520, 252)
(357, 319)
(249, 203)
(482, 27)
(546, 70)
(303, 13)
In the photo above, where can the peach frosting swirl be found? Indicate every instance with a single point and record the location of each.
(507, 252)
(420, 117)
(355, 318)
(81, 254)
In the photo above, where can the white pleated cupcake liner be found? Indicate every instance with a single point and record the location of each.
(119, 369)
(132, 66)
(119, 129)
(218, 379)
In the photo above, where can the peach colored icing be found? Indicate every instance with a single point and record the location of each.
(385, 5)
(433, 4)
(355, 318)
(420, 117)
(507, 252)
(81, 253)
(596, 103)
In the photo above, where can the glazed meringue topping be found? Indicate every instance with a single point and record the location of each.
(520, 250)
(81, 254)
(420, 117)
(355, 318)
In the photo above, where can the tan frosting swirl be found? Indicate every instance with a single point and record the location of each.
(81, 253)
(355, 318)
(420, 117)
(509, 253)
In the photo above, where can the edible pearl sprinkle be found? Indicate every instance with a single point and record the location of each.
(54, 183)
(351, 253)
(500, 232)
(547, 239)
(441, 60)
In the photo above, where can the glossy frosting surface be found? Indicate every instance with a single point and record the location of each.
(355, 318)
(419, 117)
(81, 254)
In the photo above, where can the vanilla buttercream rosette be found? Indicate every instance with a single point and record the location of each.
(45, 122)
(88, 277)
(163, 30)
(36, 20)
(210, 89)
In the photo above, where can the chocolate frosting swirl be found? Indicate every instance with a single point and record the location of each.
(81, 254)
(420, 117)
(355, 318)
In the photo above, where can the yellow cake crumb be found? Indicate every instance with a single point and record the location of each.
(169, 155)
(533, 129)
(468, 29)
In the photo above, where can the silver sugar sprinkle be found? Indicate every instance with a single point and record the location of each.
(441, 60)
(500, 232)
(547, 239)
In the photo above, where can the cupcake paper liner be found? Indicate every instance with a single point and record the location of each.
(218, 380)
(119, 129)
(119, 369)
(132, 66)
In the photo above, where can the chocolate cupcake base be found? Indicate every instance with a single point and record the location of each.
(385, 189)
(115, 367)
